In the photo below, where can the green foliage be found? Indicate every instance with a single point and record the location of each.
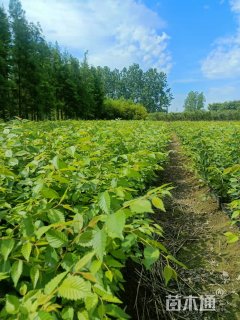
(39, 82)
(123, 109)
(5, 38)
(148, 88)
(74, 208)
(215, 152)
(198, 115)
(228, 105)
(194, 101)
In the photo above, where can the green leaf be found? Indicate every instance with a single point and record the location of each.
(55, 216)
(83, 315)
(231, 237)
(158, 203)
(116, 312)
(26, 250)
(12, 304)
(8, 153)
(83, 261)
(56, 239)
(34, 275)
(67, 313)
(105, 202)
(16, 271)
(115, 224)
(4, 275)
(6, 247)
(99, 243)
(167, 274)
(74, 288)
(78, 222)
(141, 206)
(58, 164)
(71, 150)
(106, 296)
(53, 284)
(151, 255)
(42, 315)
(91, 302)
(6, 172)
(49, 193)
(42, 230)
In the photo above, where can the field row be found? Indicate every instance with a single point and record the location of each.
(74, 200)
(215, 151)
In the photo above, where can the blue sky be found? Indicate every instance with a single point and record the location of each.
(197, 42)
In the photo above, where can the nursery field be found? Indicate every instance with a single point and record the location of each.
(76, 203)
(215, 151)
(74, 200)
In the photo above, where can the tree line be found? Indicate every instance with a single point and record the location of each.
(38, 81)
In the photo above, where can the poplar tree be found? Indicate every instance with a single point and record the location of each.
(5, 38)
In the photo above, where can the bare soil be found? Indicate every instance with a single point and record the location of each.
(194, 229)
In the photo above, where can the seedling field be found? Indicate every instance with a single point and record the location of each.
(77, 200)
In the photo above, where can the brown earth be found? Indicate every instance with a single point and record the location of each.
(194, 229)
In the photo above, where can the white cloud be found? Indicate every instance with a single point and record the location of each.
(116, 33)
(235, 5)
(224, 59)
(223, 93)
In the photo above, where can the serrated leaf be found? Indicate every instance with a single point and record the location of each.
(99, 243)
(141, 206)
(55, 216)
(83, 261)
(158, 203)
(16, 271)
(53, 284)
(105, 202)
(91, 302)
(12, 304)
(56, 239)
(26, 250)
(110, 298)
(115, 224)
(6, 247)
(74, 288)
(34, 275)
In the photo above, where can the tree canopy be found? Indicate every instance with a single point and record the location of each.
(194, 101)
(38, 81)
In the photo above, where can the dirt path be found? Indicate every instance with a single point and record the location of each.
(194, 228)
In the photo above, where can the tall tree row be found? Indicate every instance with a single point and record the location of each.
(149, 88)
(38, 81)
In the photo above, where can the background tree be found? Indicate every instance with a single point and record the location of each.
(38, 81)
(194, 101)
(4, 64)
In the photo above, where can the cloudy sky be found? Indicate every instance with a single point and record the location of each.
(197, 42)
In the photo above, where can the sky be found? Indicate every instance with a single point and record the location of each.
(196, 42)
